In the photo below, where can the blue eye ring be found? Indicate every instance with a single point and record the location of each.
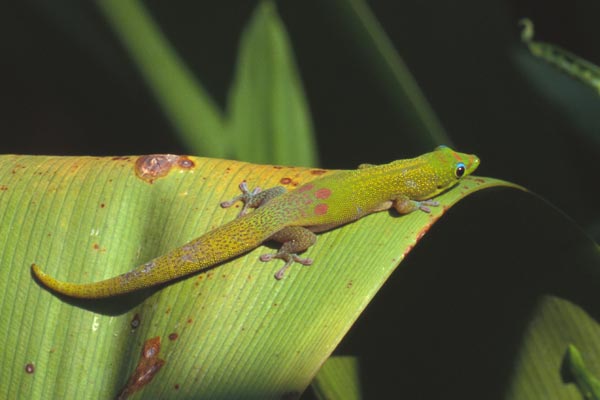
(460, 170)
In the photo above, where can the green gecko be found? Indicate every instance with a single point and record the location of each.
(292, 218)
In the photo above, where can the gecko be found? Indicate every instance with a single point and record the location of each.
(292, 218)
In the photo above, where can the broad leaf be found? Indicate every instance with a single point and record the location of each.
(232, 331)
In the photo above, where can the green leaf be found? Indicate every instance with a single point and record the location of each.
(565, 61)
(338, 378)
(268, 116)
(232, 331)
(396, 78)
(588, 384)
(550, 71)
(268, 119)
(555, 324)
(184, 101)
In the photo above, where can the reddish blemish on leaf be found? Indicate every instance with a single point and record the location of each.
(154, 166)
(176, 386)
(321, 209)
(323, 193)
(407, 250)
(189, 321)
(318, 172)
(148, 366)
(102, 205)
(97, 247)
(185, 163)
(423, 231)
(30, 368)
(17, 168)
(3, 188)
(173, 336)
(285, 181)
(125, 158)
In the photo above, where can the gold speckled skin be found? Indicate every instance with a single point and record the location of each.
(319, 205)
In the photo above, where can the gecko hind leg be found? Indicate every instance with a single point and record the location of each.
(253, 199)
(295, 240)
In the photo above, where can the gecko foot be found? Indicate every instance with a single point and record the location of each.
(247, 197)
(425, 204)
(289, 259)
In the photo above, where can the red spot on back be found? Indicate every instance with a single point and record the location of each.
(306, 187)
(321, 209)
(323, 193)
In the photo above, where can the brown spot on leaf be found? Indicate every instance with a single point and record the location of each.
(135, 321)
(17, 168)
(124, 158)
(318, 172)
(30, 368)
(148, 366)
(154, 166)
(185, 163)
(3, 188)
(97, 247)
(173, 336)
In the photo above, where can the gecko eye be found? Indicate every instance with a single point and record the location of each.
(460, 170)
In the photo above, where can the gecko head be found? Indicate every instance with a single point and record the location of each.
(450, 166)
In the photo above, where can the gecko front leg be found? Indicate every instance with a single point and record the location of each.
(253, 199)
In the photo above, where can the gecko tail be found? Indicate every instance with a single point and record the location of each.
(95, 290)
